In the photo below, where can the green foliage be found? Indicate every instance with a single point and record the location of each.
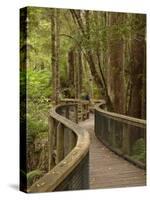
(139, 150)
(35, 126)
(39, 37)
(38, 92)
(39, 88)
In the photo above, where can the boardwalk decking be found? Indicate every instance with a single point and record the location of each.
(106, 168)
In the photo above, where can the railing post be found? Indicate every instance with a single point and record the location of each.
(82, 111)
(69, 141)
(72, 140)
(87, 111)
(113, 133)
(126, 140)
(50, 143)
(76, 113)
(67, 112)
(60, 143)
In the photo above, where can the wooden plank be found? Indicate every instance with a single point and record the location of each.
(108, 170)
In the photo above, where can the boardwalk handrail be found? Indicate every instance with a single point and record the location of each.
(122, 134)
(66, 160)
(82, 108)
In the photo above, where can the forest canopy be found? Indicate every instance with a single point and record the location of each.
(106, 49)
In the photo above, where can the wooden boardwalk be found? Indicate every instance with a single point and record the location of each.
(108, 170)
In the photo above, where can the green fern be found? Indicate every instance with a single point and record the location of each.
(33, 175)
(139, 150)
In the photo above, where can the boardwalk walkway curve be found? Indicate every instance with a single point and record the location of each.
(74, 164)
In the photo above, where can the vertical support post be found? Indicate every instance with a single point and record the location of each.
(72, 140)
(50, 143)
(60, 143)
(126, 140)
(113, 133)
(76, 113)
(88, 111)
(82, 111)
(69, 141)
(67, 112)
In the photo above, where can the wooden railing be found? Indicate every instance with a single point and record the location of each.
(82, 108)
(69, 143)
(124, 135)
(68, 152)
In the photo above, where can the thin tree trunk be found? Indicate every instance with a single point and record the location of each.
(57, 57)
(76, 75)
(71, 67)
(55, 54)
(80, 72)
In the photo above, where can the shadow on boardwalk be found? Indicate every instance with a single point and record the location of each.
(106, 168)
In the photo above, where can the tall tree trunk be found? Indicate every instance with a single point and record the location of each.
(88, 78)
(71, 67)
(115, 79)
(76, 75)
(80, 72)
(143, 114)
(55, 54)
(138, 101)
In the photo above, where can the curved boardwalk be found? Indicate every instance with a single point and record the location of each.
(108, 169)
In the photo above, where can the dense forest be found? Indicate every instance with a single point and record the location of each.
(74, 53)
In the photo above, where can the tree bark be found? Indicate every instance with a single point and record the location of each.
(138, 100)
(115, 79)
(55, 54)
(71, 67)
